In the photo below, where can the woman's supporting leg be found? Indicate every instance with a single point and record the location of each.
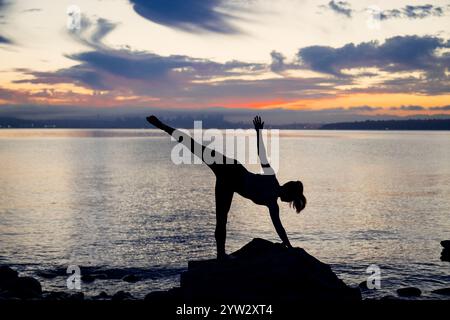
(224, 196)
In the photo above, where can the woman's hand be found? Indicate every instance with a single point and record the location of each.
(257, 123)
(287, 244)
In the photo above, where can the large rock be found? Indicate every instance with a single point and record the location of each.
(63, 296)
(170, 296)
(131, 278)
(7, 277)
(13, 286)
(121, 296)
(26, 288)
(443, 291)
(445, 254)
(264, 271)
(445, 244)
(101, 296)
(409, 292)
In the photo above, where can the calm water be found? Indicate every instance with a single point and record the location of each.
(112, 200)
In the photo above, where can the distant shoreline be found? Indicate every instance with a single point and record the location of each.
(139, 123)
(287, 129)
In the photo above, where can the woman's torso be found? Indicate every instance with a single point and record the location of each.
(261, 189)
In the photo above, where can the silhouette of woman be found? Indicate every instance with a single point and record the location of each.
(231, 177)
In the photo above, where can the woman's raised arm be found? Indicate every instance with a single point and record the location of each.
(259, 126)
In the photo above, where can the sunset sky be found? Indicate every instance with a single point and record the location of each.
(349, 58)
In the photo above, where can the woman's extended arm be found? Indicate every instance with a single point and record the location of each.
(275, 216)
(259, 126)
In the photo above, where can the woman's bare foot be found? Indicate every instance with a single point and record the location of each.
(225, 257)
(222, 257)
(154, 121)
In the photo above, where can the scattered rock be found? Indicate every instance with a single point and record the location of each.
(5, 296)
(63, 296)
(131, 278)
(445, 244)
(409, 292)
(157, 296)
(389, 297)
(172, 295)
(87, 278)
(47, 274)
(264, 271)
(7, 278)
(121, 296)
(56, 296)
(101, 296)
(78, 296)
(7, 275)
(444, 291)
(363, 285)
(27, 287)
(445, 254)
(12, 285)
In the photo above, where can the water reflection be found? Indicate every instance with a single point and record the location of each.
(108, 198)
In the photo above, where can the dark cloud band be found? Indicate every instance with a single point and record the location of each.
(412, 12)
(192, 15)
(408, 53)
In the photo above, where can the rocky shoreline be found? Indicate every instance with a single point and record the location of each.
(261, 271)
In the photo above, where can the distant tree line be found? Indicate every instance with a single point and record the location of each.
(424, 124)
(218, 121)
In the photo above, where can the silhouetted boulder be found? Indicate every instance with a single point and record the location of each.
(63, 296)
(7, 277)
(56, 296)
(121, 296)
(409, 292)
(25, 288)
(47, 274)
(363, 285)
(11, 285)
(87, 278)
(388, 298)
(101, 296)
(172, 295)
(445, 244)
(78, 296)
(131, 278)
(445, 254)
(264, 271)
(443, 291)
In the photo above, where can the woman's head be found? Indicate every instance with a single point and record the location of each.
(292, 192)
